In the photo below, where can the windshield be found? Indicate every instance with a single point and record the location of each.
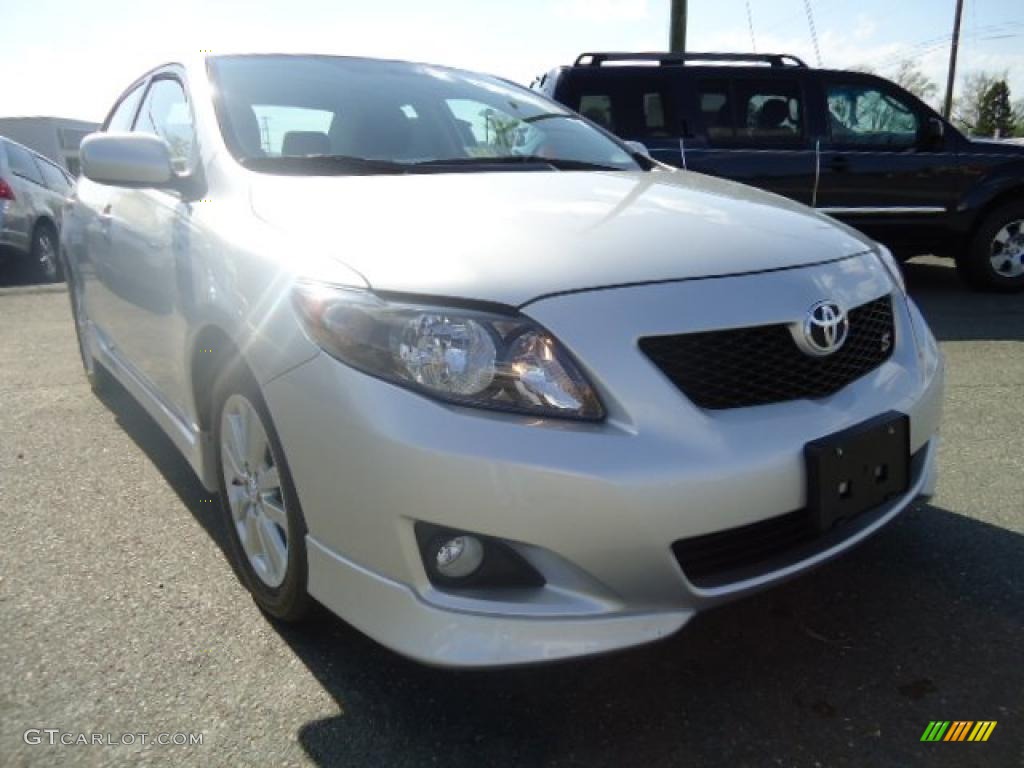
(321, 115)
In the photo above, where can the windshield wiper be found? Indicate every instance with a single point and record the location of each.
(305, 165)
(562, 164)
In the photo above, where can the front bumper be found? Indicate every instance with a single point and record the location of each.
(595, 508)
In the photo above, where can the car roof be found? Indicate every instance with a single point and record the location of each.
(27, 149)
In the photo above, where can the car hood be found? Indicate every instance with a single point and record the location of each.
(511, 237)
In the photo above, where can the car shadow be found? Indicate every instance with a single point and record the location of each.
(147, 435)
(923, 622)
(843, 666)
(954, 312)
(15, 271)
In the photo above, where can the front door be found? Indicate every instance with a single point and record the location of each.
(881, 172)
(151, 246)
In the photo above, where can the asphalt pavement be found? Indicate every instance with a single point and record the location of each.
(121, 615)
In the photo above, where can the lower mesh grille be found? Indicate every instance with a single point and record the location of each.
(751, 550)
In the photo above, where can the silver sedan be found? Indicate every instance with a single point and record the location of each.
(488, 383)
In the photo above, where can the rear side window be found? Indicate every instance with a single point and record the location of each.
(55, 178)
(22, 164)
(121, 119)
(751, 111)
(634, 108)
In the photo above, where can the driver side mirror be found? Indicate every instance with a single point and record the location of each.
(127, 160)
(933, 133)
(639, 148)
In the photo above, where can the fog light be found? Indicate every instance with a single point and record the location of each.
(459, 557)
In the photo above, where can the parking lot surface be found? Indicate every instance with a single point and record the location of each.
(120, 613)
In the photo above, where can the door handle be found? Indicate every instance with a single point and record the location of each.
(839, 163)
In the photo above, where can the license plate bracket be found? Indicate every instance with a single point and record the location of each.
(850, 472)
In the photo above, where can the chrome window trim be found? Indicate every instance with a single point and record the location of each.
(884, 210)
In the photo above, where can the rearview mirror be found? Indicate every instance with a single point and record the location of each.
(127, 160)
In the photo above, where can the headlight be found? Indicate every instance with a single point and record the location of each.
(892, 265)
(463, 356)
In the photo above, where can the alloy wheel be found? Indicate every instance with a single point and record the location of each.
(47, 255)
(1006, 252)
(254, 494)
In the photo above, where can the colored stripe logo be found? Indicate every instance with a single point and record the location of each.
(958, 730)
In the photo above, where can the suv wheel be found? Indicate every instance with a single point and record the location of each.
(995, 261)
(265, 528)
(45, 259)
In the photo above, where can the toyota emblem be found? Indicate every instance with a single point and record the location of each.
(824, 329)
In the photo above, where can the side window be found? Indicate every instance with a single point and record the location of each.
(165, 113)
(121, 119)
(716, 110)
(598, 108)
(55, 178)
(632, 109)
(22, 164)
(752, 111)
(863, 115)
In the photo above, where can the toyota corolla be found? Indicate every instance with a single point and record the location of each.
(488, 383)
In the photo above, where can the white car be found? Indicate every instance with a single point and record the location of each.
(477, 376)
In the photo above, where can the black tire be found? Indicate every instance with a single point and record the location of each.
(976, 266)
(289, 602)
(95, 373)
(45, 255)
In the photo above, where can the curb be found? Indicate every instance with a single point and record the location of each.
(19, 290)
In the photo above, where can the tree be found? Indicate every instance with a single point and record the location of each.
(1018, 118)
(995, 118)
(909, 75)
(967, 107)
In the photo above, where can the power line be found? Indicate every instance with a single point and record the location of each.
(750, 24)
(814, 32)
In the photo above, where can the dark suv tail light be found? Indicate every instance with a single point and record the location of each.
(6, 193)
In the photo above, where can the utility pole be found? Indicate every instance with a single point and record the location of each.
(677, 27)
(948, 107)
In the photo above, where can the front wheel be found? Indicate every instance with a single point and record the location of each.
(265, 528)
(995, 259)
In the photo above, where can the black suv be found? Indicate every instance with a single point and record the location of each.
(853, 145)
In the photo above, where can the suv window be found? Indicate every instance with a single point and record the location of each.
(864, 115)
(165, 113)
(633, 108)
(22, 164)
(124, 113)
(55, 178)
(751, 111)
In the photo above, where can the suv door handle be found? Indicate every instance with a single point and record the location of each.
(839, 163)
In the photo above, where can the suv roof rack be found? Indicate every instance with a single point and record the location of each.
(596, 59)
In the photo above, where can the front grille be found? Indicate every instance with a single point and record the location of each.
(759, 365)
(729, 556)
